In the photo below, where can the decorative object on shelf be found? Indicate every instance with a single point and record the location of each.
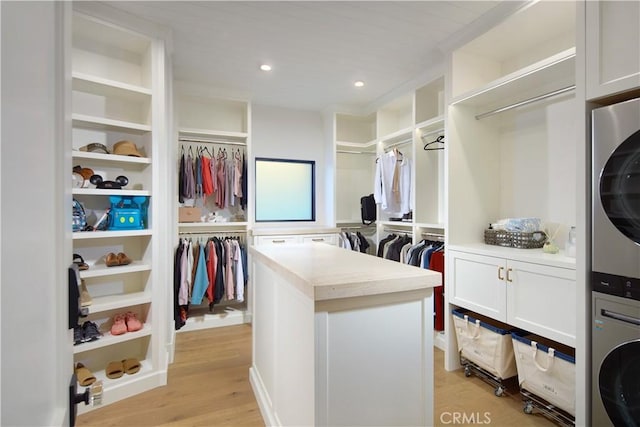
(127, 212)
(84, 375)
(95, 147)
(77, 180)
(99, 182)
(189, 214)
(86, 173)
(570, 246)
(550, 246)
(126, 148)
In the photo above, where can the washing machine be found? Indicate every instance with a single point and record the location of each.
(615, 261)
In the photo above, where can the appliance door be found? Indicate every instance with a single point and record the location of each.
(616, 189)
(616, 361)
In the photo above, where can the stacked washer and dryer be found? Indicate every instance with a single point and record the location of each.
(615, 261)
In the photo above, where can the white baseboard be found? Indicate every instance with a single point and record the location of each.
(262, 397)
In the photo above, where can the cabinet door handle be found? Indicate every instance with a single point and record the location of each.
(318, 240)
(500, 276)
(509, 270)
(277, 241)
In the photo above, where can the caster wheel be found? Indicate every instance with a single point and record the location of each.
(499, 391)
(467, 371)
(528, 408)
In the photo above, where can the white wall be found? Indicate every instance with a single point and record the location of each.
(36, 224)
(293, 134)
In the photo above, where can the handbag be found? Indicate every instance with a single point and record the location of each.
(127, 212)
(368, 209)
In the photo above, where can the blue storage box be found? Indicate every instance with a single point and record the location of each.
(128, 212)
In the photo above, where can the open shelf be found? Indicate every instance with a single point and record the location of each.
(102, 123)
(102, 192)
(114, 302)
(107, 339)
(238, 137)
(109, 234)
(109, 88)
(102, 270)
(110, 158)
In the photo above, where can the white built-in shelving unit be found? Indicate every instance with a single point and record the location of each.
(117, 94)
(511, 149)
(217, 124)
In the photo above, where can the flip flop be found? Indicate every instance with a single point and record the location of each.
(114, 370)
(84, 375)
(131, 366)
(77, 259)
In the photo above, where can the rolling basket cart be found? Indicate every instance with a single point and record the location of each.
(546, 376)
(486, 350)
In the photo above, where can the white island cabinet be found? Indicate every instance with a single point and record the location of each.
(341, 337)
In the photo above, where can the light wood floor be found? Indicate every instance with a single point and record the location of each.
(208, 385)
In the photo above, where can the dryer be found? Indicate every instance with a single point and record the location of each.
(615, 261)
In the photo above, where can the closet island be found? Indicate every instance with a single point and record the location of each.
(341, 337)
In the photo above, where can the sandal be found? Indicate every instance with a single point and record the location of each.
(79, 261)
(131, 366)
(119, 327)
(133, 324)
(114, 370)
(111, 260)
(84, 375)
(123, 259)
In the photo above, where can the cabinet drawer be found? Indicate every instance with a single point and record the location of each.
(276, 240)
(320, 238)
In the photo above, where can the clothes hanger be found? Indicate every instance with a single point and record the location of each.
(438, 140)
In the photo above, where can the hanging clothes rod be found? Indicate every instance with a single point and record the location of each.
(209, 233)
(395, 144)
(354, 152)
(211, 141)
(525, 102)
(441, 130)
(395, 230)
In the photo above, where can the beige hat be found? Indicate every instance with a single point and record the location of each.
(126, 148)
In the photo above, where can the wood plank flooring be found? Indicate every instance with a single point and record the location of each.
(208, 385)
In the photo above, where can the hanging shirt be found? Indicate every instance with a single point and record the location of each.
(220, 184)
(229, 281)
(185, 274)
(207, 179)
(189, 180)
(239, 271)
(201, 282)
(392, 183)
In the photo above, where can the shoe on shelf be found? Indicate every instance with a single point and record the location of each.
(79, 261)
(78, 335)
(90, 331)
(85, 298)
(123, 259)
(85, 376)
(111, 260)
(119, 327)
(131, 366)
(114, 370)
(133, 324)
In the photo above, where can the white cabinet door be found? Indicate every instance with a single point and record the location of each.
(613, 57)
(542, 300)
(477, 283)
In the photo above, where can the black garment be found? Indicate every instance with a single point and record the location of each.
(364, 244)
(243, 200)
(181, 180)
(178, 322)
(218, 292)
(74, 299)
(383, 242)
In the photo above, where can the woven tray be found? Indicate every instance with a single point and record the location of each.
(514, 239)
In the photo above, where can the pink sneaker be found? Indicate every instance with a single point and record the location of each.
(118, 327)
(133, 324)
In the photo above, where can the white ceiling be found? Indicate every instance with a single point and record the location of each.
(317, 48)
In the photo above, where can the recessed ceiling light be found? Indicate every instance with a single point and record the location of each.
(359, 83)
(265, 67)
